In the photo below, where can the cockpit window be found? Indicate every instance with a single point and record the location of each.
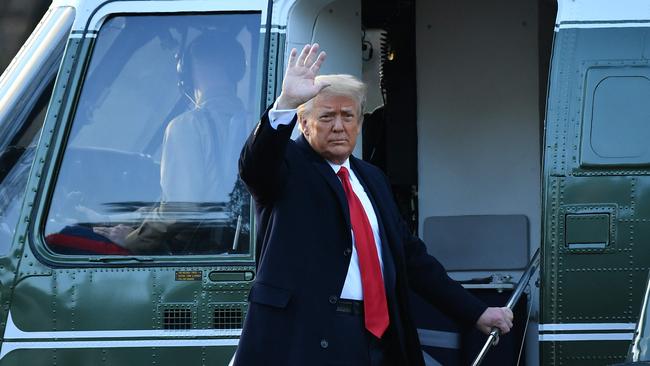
(150, 165)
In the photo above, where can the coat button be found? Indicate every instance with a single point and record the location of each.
(347, 252)
(333, 299)
(324, 344)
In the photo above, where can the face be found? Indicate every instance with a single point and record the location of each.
(332, 126)
(210, 78)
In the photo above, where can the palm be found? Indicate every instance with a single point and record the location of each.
(300, 83)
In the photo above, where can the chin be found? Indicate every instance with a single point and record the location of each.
(339, 157)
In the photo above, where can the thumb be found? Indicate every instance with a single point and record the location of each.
(320, 85)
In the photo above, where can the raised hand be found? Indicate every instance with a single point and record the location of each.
(299, 83)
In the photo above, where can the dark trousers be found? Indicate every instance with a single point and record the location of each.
(371, 350)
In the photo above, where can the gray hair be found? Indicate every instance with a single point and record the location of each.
(339, 85)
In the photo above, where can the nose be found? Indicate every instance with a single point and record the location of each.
(338, 123)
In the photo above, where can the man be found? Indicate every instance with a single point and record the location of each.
(198, 166)
(335, 259)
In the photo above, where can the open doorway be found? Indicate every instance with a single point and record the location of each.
(463, 87)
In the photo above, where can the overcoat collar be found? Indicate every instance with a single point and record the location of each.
(330, 177)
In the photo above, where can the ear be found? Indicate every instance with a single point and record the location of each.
(303, 125)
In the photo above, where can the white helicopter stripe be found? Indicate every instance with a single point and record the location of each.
(9, 346)
(602, 10)
(586, 337)
(604, 24)
(12, 332)
(586, 326)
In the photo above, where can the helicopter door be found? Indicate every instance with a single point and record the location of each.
(596, 174)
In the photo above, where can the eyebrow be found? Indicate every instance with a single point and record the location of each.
(326, 109)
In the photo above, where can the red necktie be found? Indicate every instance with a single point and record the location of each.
(372, 283)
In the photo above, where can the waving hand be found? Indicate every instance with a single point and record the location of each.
(299, 83)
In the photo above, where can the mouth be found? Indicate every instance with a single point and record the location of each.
(339, 142)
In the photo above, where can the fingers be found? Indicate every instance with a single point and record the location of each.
(319, 61)
(504, 321)
(292, 57)
(504, 327)
(299, 84)
(311, 56)
(104, 231)
(509, 317)
(303, 55)
(501, 318)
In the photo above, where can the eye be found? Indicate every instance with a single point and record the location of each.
(325, 118)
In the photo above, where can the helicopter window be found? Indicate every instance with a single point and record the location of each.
(151, 160)
(607, 138)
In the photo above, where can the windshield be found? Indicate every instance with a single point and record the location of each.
(150, 165)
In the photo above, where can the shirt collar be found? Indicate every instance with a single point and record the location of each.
(336, 167)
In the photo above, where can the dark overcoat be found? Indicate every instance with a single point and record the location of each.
(303, 252)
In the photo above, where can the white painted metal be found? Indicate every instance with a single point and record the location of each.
(12, 332)
(9, 346)
(586, 326)
(281, 10)
(638, 24)
(602, 13)
(92, 13)
(14, 338)
(174, 7)
(585, 337)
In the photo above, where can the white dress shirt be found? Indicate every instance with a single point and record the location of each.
(200, 152)
(352, 286)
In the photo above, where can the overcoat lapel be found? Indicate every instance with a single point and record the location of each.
(328, 173)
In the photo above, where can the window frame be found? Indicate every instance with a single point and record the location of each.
(63, 128)
(578, 132)
(589, 157)
(25, 85)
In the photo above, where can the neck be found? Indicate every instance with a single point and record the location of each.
(203, 95)
(337, 161)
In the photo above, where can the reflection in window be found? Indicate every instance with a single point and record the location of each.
(16, 158)
(14, 170)
(151, 161)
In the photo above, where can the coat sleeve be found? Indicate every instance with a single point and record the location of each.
(262, 164)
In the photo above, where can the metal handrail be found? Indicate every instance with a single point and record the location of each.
(493, 338)
(635, 353)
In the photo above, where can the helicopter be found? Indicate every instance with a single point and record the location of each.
(504, 127)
